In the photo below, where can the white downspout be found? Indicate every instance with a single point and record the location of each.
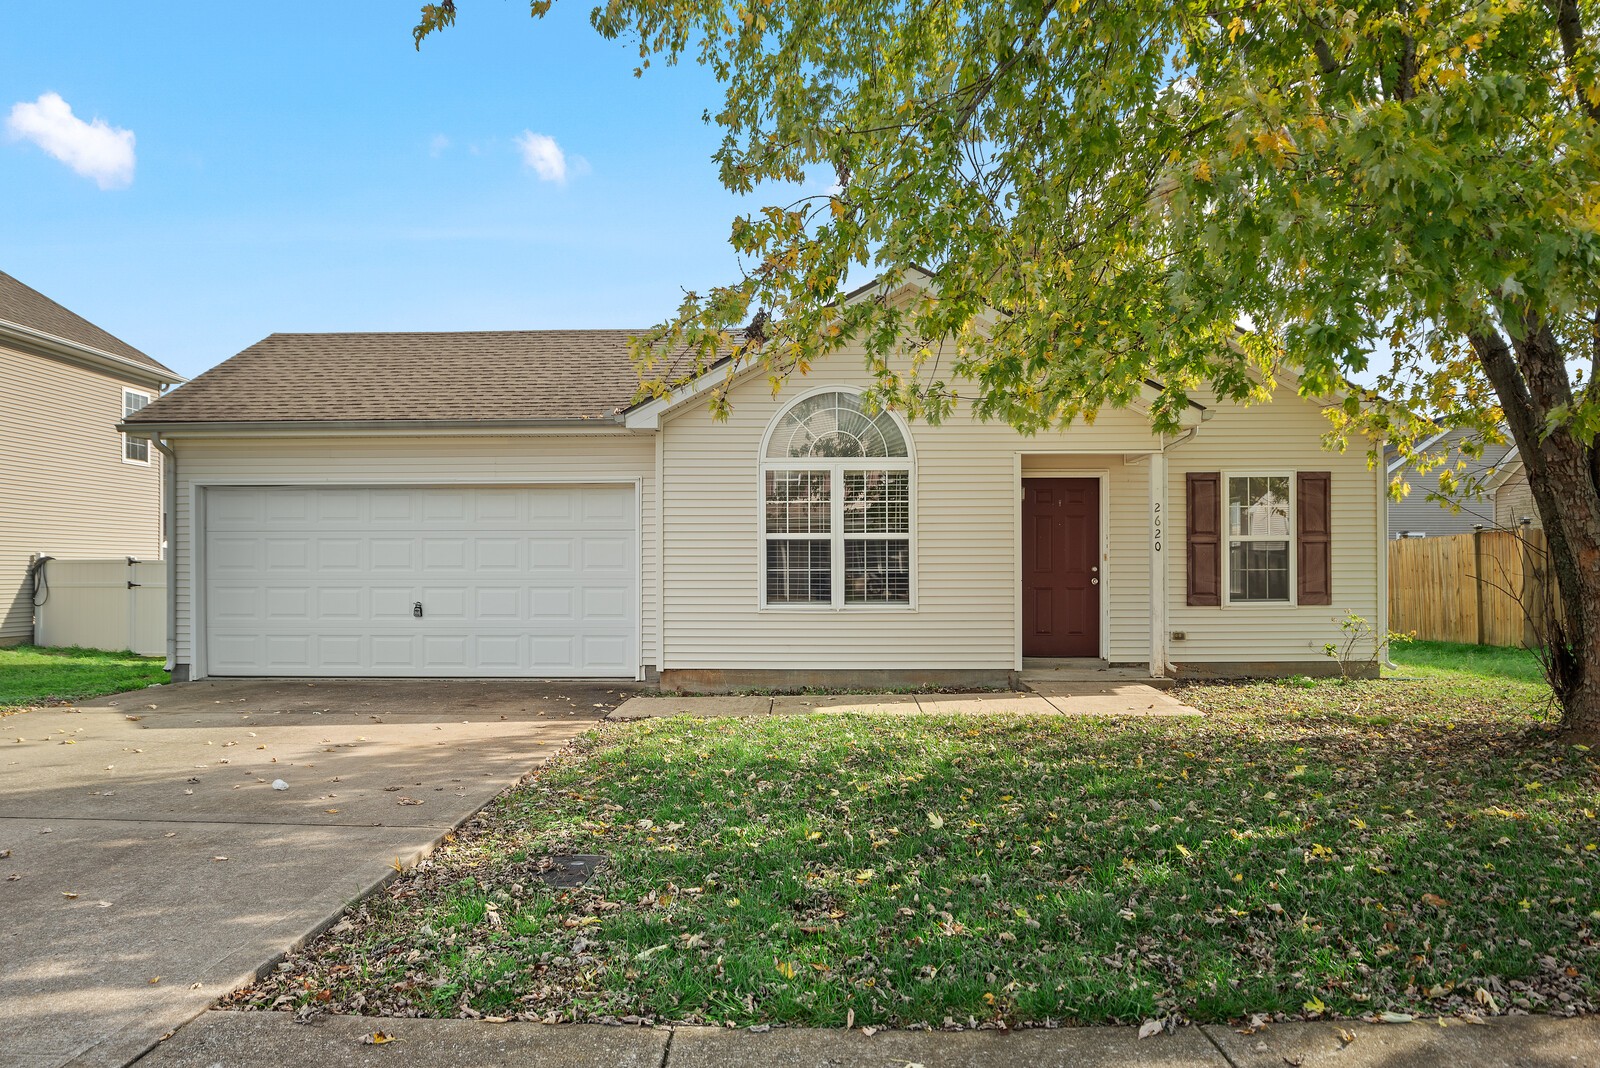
(1382, 517)
(1160, 665)
(169, 505)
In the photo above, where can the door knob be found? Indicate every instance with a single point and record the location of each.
(1094, 582)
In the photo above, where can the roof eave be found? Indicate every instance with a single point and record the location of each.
(228, 427)
(86, 355)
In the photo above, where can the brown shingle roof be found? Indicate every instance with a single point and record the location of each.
(481, 375)
(28, 307)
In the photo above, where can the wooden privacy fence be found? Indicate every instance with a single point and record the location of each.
(103, 604)
(1487, 588)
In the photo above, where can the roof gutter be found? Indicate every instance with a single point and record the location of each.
(151, 427)
(99, 359)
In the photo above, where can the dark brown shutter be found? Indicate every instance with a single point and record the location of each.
(1313, 538)
(1203, 518)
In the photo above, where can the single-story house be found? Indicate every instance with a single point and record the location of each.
(1418, 515)
(72, 486)
(501, 504)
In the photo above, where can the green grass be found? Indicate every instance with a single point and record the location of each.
(1338, 849)
(31, 675)
(1443, 659)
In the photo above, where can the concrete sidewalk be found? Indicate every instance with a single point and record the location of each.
(1057, 698)
(147, 865)
(274, 1040)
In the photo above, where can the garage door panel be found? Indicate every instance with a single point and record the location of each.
(236, 602)
(550, 554)
(389, 507)
(340, 505)
(340, 652)
(286, 507)
(389, 651)
(392, 602)
(341, 603)
(233, 553)
(288, 603)
(393, 554)
(504, 508)
(513, 581)
(607, 554)
(499, 554)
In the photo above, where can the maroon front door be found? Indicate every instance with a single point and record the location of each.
(1060, 567)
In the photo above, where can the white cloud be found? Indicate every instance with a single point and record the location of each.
(543, 156)
(439, 145)
(93, 149)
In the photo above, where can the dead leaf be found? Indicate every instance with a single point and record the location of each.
(1346, 1036)
(377, 1038)
(1435, 901)
(1150, 1028)
(69, 895)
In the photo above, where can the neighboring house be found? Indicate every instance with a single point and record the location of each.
(1513, 499)
(71, 484)
(1417, 516)
(497, 504)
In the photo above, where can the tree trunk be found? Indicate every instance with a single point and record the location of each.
(1531, 378)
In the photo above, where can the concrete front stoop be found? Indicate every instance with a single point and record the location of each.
(257, 1039)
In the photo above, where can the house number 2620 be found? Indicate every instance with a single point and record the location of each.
(1156, 521)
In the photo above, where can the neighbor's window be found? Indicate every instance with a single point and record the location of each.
(134, 450)
(1259, 532)
(836, 515)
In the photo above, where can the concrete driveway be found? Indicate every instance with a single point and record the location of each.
(147, 865)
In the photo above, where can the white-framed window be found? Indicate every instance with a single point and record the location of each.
(836, 506)
(1259, 561)
(134, 450)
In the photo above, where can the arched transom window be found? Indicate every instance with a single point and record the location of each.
(836, 505)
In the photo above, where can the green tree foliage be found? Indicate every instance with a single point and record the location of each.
(1106, 192)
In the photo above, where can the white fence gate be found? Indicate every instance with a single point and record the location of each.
(103, 604)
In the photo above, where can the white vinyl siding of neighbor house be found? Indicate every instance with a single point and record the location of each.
(391, 460)
(966, 553)
(64, 488)
(1283, 435)
(1513, 502)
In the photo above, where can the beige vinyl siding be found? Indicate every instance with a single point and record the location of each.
(418, 461)
(64, 488)
(1283, 435)
(965, 569)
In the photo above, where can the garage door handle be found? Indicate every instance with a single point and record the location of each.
(416, 609)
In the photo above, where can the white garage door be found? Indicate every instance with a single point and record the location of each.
(539, 582)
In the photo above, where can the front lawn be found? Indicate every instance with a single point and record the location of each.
(1416, 847)
(31, 675)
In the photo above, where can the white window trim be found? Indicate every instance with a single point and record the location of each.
(1228, 538)
(836, 533)
(125, 438)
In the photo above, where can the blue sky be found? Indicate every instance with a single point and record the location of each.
(310, 173)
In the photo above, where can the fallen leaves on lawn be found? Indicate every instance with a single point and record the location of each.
(1081, 872)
